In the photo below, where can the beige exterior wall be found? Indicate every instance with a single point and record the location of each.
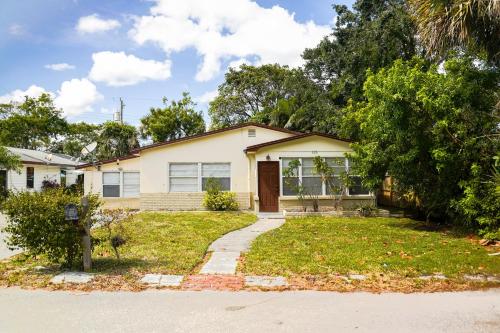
(93, 177)
(184, 201)
(305, 147)
(224, 147)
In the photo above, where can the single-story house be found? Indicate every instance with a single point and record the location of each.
(247, 159)
(38, 166)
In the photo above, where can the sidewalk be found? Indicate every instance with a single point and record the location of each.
(227, 249)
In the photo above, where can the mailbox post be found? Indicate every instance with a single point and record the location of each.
(86, 242)
(71, 215)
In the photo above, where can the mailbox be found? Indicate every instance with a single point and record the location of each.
(71, 213)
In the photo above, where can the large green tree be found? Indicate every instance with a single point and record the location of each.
(270, 94)
(370, 36)
(468, 24)
(8, 161)
(77, 136)
(173, 121)
(116, 140)
(436, 134)
(32, 124)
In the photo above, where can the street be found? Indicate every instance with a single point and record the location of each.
(308, 311)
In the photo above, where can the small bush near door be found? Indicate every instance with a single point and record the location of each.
(217, 200)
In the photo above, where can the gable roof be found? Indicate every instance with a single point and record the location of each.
(217, 131)
(30, 156)
(111, 160)
(292, 138)
(134, 153)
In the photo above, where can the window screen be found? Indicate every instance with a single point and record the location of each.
(111, 184)
(131, 184)
(221, 172)
(183, 177)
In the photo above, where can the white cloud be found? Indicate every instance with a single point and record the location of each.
(227, 29)
(59, 67)
(207, 97)
(119, 69)
(77, 96)
(16, 30)
(92, 24)
(18, 95)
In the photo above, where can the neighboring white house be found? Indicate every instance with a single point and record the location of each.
(247, 159)
(37, 167)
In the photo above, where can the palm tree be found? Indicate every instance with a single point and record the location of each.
(448, 24)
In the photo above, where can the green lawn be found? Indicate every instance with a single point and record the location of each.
(169, 243)
(399, 247)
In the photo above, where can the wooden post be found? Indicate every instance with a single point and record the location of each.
(86, 243)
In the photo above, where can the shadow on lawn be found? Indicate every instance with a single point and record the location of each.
(108, 265)
(422, 226)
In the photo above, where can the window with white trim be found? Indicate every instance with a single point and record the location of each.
(111, 184)
(356, 187)
(192, 177)
(221, 172)
(116, 184)
(289, 183)
(312, 182)
(183, 177)
(131, 184)
(338, 164)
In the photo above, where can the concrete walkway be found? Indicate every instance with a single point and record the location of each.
(227, 249)
(4, 250)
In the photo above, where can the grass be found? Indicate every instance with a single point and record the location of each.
(168, 243)
(398, 247)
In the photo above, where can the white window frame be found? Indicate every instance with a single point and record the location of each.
(121, 183)
(200, 176)
(346, 165)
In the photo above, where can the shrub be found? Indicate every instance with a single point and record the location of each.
(112, 220)
(217, 200)
(36, 222)
(48, 184)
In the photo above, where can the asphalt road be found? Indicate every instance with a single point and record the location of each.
(181, 311)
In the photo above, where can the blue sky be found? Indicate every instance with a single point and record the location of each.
(90, 53)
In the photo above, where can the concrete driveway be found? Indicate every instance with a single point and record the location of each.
(191, 311)
(4, 251)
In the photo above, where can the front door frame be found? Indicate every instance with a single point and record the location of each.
(277, 182)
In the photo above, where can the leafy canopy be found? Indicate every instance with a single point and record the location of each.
(371, 36)
(8, 161)
(175, 120)
(270, 94)
(444, 25)
(32, 124)
(433, 132)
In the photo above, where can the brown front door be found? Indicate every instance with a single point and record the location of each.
(269, 186)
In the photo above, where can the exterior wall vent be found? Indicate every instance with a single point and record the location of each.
(252, 133)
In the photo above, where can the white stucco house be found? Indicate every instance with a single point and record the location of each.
(38, 166)
(247, 159)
